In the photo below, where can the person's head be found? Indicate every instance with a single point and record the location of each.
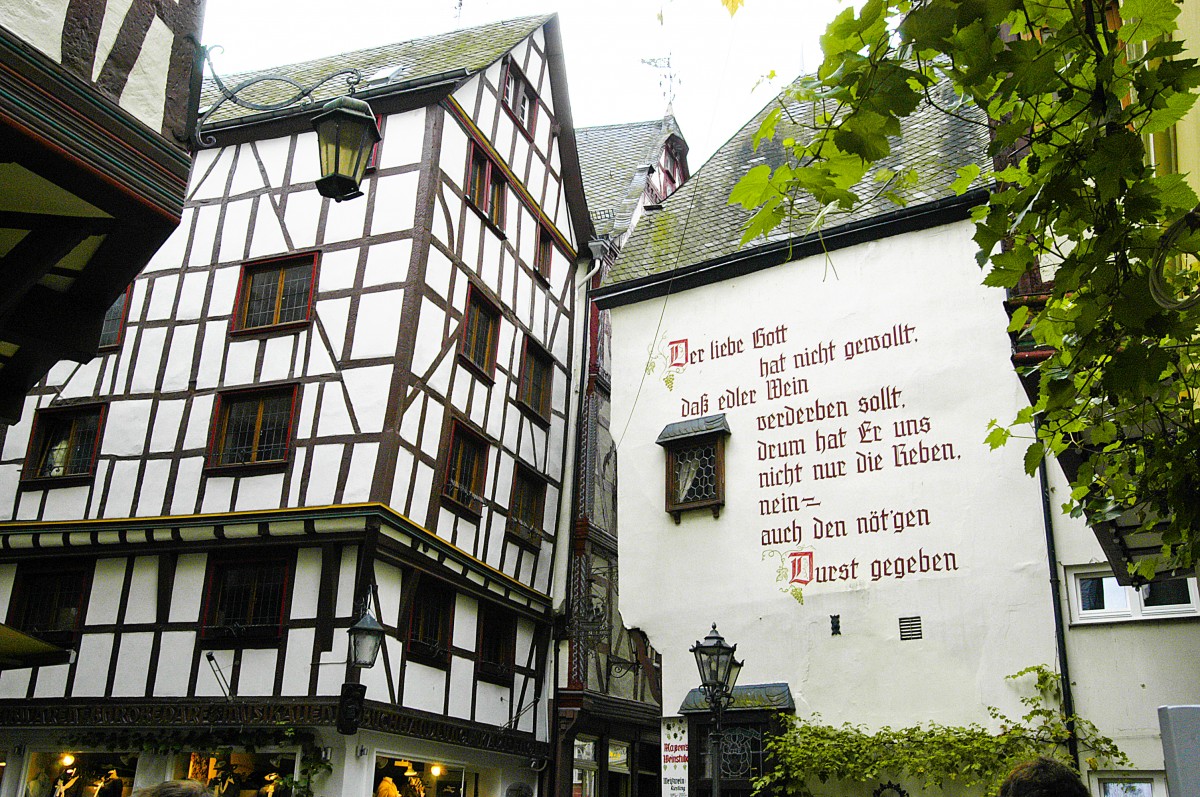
(1042, 777)
(176, 788)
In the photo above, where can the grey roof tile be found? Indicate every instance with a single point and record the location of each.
(473, 49)
(613, 159)
(696, 224)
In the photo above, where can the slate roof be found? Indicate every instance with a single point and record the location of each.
(613, 159)
(697, 225)
(394, 65)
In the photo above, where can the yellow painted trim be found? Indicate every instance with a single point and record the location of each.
(476, 135)
(212, 519)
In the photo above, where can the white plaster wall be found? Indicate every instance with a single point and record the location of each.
(38, 22)
(982, 621)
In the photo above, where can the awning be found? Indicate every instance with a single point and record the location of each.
(19, 650)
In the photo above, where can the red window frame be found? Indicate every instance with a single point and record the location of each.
(479, 334)
(496, 644)
(430, 622)
(526, 509)
(280, 266)
(544, 256)
(535, 388)
(269, 579)
(120, 317)
(516, 89)
(61, 587)
(466, 469)
(222, 408)
(487, 189)
(85, 442)
(373, 158)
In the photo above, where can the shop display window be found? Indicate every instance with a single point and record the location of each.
(74, 774)
(235, 774)
(583, 781)
(396, 776)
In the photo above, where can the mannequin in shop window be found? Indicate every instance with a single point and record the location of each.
(387, 788)
(110, 785)
(67, 784)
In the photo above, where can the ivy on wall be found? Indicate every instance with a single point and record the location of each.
(937, 755)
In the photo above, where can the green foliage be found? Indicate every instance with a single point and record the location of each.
(937, 755)
(1070, 96)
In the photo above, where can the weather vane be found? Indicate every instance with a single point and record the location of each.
(666, 78)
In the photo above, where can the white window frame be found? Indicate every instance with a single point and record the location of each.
(1157, 781)
(1135, 608)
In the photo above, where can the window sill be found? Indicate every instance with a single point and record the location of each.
(269, 330)
(1144, 618)
(247, 468)
(488, 375)
(427, 654)
(236, 642)
(498, 674)
(677, 510)
(486, 219)
(528, 133)
(461, 509)
(524, 536)
(51, 482)
(533, 414)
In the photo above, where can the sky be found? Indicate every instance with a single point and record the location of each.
(717, 61)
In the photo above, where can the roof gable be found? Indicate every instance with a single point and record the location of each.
(615, 161)
(396, 66)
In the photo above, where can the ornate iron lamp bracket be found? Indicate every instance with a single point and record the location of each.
(302, 95)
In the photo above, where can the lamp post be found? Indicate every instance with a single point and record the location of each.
(718, 675)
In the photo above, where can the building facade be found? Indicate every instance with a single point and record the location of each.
(314, 410)
(609, 688)
(96, 105)
(803, 462)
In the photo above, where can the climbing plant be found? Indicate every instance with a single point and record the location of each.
(937, 755)
(1074, 95)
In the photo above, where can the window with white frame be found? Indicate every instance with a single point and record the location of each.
(1097, 597)
(1129, 784)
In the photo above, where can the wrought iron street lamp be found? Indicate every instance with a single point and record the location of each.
(365, 638)
(718, 675)
(346, 133)
(366, 635)
(346, 127)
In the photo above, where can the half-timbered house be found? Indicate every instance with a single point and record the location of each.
(609, 703)
(96, 105)
(314, 409)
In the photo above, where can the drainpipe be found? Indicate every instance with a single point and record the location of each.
(1060, 637)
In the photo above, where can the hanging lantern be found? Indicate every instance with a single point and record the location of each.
(365, 638)
(346, 133)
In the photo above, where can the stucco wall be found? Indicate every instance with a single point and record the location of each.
(893, 331)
